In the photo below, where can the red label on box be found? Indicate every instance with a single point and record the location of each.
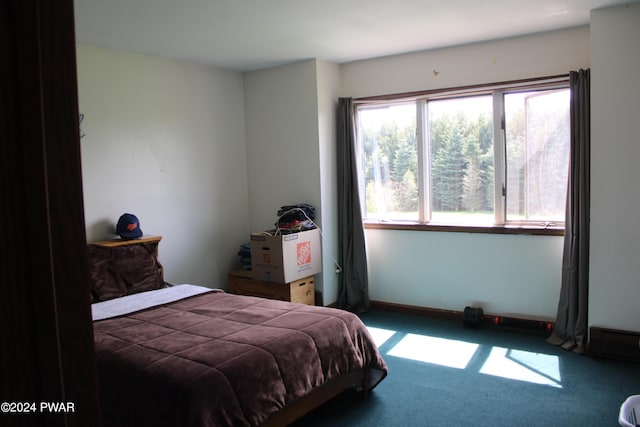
(304, 253)
(266, 258)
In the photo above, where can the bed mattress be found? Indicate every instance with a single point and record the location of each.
(218, 359)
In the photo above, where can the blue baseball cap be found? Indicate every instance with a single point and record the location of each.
(129, 227)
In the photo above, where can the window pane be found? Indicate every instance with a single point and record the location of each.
(537, 141)
(388, 138)
(461, 149)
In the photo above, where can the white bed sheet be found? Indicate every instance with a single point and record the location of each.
(140, 301)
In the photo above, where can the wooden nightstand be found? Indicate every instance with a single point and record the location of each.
(301, 291)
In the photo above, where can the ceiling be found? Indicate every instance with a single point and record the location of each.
(252, 34)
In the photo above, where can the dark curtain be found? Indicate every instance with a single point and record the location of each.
(570, 329)
(353, 285)
(47, 352)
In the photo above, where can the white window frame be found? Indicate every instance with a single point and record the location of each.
(497, 91)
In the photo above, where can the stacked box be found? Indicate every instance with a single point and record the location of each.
(285, 258)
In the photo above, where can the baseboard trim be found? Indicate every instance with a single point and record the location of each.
(490, 320)
(614, 344)
(416, 310)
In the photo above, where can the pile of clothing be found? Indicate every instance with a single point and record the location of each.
(296, 218)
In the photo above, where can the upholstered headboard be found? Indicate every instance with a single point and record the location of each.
(123, 267)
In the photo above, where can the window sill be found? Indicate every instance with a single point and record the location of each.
(496, 229)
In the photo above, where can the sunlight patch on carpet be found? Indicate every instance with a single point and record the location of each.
(520, 365)
(379, 335)
(523, 365)
(439, 351)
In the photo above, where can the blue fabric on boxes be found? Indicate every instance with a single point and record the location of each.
(245, 256)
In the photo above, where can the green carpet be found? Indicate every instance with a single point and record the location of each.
(443, 374)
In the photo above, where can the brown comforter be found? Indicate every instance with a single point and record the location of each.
(219, 359)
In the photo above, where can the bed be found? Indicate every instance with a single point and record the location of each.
(194, 356)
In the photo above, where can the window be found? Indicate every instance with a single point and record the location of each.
(484, 158)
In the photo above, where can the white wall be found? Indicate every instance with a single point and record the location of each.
(615, 152)
(165, 140)
(513, 275)
(539, 55)
(281, 121)
(505, 274)
(328, 77)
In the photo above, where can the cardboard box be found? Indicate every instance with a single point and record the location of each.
(286, 257)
